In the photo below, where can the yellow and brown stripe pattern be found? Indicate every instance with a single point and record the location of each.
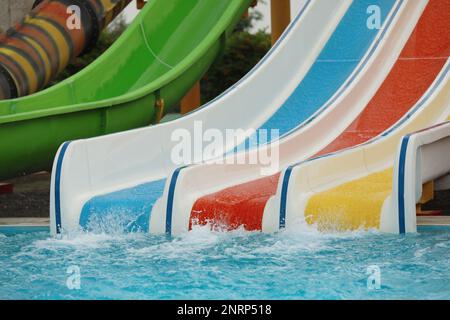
(42, 44)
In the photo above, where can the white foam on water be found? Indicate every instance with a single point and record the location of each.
(113, 221)
(421, 252)
(202, 242)
(191, 245)
(82, 240)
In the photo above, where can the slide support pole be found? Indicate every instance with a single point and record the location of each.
(280, 17)
(191, 100)
(140, 4)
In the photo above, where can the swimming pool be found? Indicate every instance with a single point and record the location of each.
(204, 264)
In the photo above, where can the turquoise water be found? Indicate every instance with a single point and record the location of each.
(300, 263)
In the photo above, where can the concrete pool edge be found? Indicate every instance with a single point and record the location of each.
(24, 222)
(45, 222)
(433, 221)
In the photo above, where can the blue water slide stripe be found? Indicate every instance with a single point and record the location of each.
(401, 185)
(284, 189)
(170, 197)
(58, 186)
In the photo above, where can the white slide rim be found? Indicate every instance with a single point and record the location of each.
(424, 157)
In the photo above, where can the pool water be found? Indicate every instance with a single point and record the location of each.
(299, 263)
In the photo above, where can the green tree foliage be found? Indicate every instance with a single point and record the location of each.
(242, 53)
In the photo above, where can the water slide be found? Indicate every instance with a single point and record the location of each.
(355, 190)
(233, 196)
(144, 74)
(350, 189)
(99, 177)
(35, 50)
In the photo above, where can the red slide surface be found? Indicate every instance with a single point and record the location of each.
(419, 64)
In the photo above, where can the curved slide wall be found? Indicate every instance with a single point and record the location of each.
(87, 169)
(145, 73)
(422, 158)
(39, 47)
(249, 200)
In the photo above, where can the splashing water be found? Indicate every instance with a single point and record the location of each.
(298, 263)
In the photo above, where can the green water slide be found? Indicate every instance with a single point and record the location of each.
(168, 47)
